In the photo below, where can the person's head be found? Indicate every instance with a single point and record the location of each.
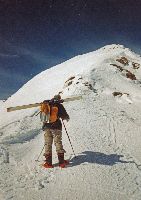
(57, 97)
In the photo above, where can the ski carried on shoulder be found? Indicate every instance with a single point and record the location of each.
(71, 98)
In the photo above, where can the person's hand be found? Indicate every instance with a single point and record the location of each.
(67, 119)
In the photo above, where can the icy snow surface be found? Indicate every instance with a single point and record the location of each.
(105, 131)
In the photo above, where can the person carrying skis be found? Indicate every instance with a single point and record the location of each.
(51, 113)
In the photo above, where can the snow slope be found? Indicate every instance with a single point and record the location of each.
(104, 129)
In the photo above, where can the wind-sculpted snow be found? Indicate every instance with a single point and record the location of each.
(22, 137)
(104, 129)
(21, 131)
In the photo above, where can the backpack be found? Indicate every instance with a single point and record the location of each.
(48, 112)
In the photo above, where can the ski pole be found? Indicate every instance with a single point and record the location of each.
(40, 153)
(38, 113)
(68, 138)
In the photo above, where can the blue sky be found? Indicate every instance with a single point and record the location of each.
(35, 35)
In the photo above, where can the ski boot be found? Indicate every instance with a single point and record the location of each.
(62, 162)
(48, 161)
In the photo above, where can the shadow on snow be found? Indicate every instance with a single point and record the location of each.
(98, 158)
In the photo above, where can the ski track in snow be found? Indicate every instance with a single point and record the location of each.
(110, 177)
(99, 154)
(104, 131)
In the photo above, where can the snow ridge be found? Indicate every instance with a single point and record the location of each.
(106, 137)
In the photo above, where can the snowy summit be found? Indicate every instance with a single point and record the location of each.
(104, 129)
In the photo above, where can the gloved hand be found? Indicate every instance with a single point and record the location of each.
(67, 119)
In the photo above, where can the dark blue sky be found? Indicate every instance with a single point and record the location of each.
(38, 34)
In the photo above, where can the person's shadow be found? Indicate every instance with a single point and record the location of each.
(98, 158)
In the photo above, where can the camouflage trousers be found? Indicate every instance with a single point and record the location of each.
(49, 136)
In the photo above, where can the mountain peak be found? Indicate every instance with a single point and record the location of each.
(104, 128)
(112, 47)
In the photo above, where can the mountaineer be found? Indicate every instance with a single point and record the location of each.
(52, 111)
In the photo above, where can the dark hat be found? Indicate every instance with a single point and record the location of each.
(57, 97)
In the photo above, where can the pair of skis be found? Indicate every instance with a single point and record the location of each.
(73, 98)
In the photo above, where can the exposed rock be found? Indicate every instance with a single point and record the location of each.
(90, 86)
(123, 60)
(117, 66)
(71, 78)
(130, 75)
(86, 83)
(126, 94)
(119, 94)
(69, 83)
(136, 65)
